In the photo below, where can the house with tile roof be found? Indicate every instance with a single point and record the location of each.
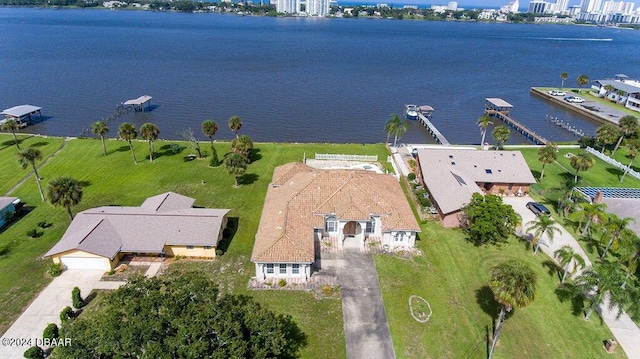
(452, 176)
(164, 225)
(304, 204)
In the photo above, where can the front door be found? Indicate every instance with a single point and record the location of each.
(350, 229)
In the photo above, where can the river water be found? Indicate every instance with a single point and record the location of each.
(294, 79)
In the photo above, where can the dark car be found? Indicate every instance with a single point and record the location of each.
(538, 208)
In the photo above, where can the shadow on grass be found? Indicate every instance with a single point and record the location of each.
(85, 184)
(228, 234)
(89, 298)
(536, 174)
(255, 155)
(171, 149)
(122, 149)
(552, 268)
(486, 301)
(569, 292)
(248, 178)
(615, 171)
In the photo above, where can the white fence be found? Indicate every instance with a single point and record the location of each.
(613, 162)
(336, 157)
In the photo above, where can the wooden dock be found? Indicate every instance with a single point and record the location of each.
(424, 116)
(500, 108)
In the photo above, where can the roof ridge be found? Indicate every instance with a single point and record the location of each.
(329, 197)
(92, 230)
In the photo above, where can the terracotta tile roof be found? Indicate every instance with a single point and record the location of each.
(299, 197)
(166, 219)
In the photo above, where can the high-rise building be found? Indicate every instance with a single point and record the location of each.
(511, 7)
(288, 6)
(318, 7)
(538, 7)
(561, 6)
(590, 6)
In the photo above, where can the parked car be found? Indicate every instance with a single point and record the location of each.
(574, 99)
(556, 93)
(538, 208)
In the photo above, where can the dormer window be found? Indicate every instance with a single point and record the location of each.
(331, 224)
(371, 226)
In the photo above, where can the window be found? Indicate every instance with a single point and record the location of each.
(371, 226)
(189, 247)
(207, 247)
(331, 224)
(399, 237)
(510, 186)
(283, 268)
(270, 268)
(295, 268)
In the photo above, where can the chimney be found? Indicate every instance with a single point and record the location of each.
(598, 197)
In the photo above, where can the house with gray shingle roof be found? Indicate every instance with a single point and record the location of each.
(304, 204)
(8, 208)
(452, 176)
(164, 225)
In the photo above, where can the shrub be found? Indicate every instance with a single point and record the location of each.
(76, 299)
(214, 161)
(175, 148)
(34, 233)
(50, 332)
(66, 314)
(588, 141)
(43, 224)
(34, 352)
(411, 176)
(55, 269)
(412, 164)
(219, 252)
(282, 282)
(111, 272)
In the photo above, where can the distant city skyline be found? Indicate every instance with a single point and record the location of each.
(481, 3)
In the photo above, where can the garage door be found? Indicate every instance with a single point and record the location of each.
(83, 263)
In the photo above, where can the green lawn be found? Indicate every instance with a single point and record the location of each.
(116, 180)
(452, 275)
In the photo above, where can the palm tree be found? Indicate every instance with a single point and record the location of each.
(547, 155)
(64, 192)
(609, 89)
(628, 126)
(563, 77)
(543, 225)
(513, 284)
(616, 229)
(129, 133)
(581, 162)
(566, 256)
(582, 80)
(100, 128)
(601, 281)
(28, 157)
(607, 134)
(501, 135)
(235, 124)
(149, 132)
(244, 145)
(589, 212)
(396, 127)
(210, 128)
(634, 149)
(236, 164)
(484, 122)
(630, 255)
(11, 126)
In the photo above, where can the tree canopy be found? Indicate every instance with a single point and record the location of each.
(489, 221)
(180, 316)
(64, 192)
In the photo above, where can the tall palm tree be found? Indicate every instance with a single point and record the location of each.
(11, 126)
(64, 192)
(501, 135)
(100, 128)
(547, 155)
(582, 80)
(634, 149)
(129, 133)
(628, 126)
(483, 122)
(563, 77)
(513, 284)
(630, 255)
(244, 145)
(588, 212)
(235, 124)
(609, 89)
(236, 164)
(566, 256)
(581, 162)
(395, 127)
(28, 157)
(543, 225)
(210, 128)
(149, 132)
(604, 280)
(615, 229)
(607, 134)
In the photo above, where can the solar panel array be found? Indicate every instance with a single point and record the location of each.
(611, 192)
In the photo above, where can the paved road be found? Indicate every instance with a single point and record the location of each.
(624, 329)
(365, 322)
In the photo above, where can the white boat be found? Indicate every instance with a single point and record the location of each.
(411, 112)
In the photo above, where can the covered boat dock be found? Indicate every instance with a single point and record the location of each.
(22, 115)
(138, 103)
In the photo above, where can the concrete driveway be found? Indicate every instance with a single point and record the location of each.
(365, 322)
(46, 309)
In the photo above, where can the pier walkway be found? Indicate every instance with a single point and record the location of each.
(439, 137)
(500, 108)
